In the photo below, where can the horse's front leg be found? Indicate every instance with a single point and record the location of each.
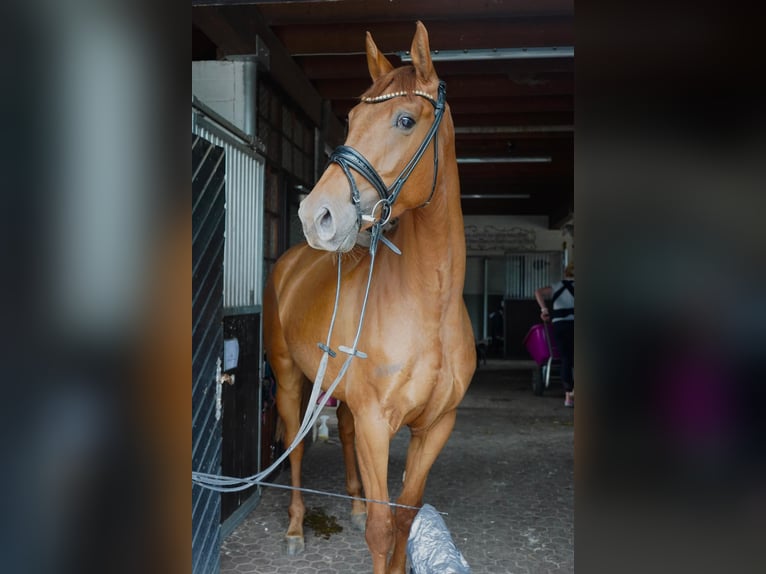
(421, 454)
(373, 439)
(289, 393)
(353, 484)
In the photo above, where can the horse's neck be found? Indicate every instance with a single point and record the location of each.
(432, 239)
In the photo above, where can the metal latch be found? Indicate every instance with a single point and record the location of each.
(220, 379)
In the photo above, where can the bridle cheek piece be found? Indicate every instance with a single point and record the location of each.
(348, 158)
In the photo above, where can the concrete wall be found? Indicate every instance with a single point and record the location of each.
(228, 88)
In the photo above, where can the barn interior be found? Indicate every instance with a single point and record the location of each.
(274, 81)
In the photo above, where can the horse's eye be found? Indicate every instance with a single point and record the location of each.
(405, 122)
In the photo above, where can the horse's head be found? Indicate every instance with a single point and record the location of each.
(372, 176)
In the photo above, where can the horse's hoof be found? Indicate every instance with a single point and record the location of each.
(359, 521)
(294, 545)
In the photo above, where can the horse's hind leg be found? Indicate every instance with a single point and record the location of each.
(353, 484)
(289, 394)
(421, 454)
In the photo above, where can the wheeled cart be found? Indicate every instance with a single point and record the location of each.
(544, 352)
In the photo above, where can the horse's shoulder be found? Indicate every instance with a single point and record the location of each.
(291, 259)
(293, 253)
(300, 267)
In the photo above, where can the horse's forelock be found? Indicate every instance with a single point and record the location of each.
(399, 80)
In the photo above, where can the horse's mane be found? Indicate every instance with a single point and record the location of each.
(398, 80)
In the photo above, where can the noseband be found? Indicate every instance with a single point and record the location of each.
(348, 158)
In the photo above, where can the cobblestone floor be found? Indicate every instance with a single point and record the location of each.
(505, 478)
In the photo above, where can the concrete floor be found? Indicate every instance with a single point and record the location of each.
(505, 478)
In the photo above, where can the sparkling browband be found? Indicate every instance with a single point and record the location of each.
(384, 97)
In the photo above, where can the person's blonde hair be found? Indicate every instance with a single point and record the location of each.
(569, 269)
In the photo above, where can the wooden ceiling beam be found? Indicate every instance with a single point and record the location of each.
(505, 66)
(507, 118)
(503, 171)
(334, 67)
(552, 119)
(498, 187)
(289, 13)
(211, 21)
(508, 146)
(344, 38)
(517, 104)
(355, 66)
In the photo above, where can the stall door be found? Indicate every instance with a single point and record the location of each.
(208, 168)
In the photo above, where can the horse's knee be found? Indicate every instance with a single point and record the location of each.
(379, 533)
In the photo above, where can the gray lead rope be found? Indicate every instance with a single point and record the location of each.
(233, 484)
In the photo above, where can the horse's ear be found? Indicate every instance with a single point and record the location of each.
(421, 54)
(377, 63)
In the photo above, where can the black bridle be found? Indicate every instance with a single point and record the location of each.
(348, 158)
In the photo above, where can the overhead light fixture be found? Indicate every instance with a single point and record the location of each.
(495, 196)
(495, 54)
(540, 159)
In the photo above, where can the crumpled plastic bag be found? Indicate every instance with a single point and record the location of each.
(430, 547)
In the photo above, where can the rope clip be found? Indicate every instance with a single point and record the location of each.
(354, 352)
(326, 349)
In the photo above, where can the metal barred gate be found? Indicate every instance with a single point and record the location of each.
(208, 218)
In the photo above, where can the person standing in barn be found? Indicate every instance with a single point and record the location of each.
(497, 330)
(561, 295)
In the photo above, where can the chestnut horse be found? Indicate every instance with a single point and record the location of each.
(398, 167)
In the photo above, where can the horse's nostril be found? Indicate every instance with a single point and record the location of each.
(324, 223)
